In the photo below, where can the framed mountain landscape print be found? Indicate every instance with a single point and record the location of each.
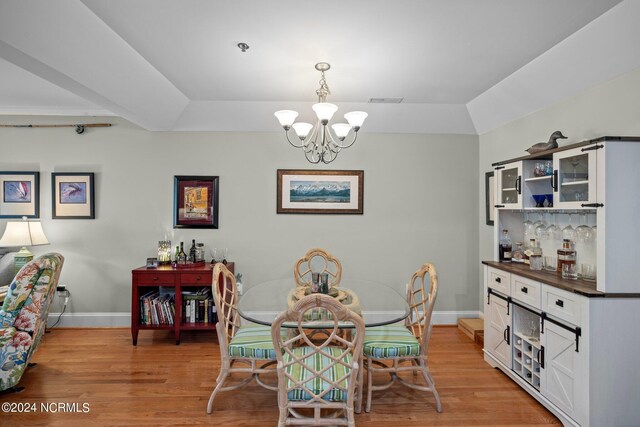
(72, 195)
(320, 191)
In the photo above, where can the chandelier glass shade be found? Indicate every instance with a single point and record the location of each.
(321, 143)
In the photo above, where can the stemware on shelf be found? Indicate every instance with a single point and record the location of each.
(529, 229)
(569, 232)
(552, 241)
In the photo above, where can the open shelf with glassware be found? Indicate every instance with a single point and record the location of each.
(526, 347)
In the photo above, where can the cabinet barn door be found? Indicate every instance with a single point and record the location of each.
(498, 322)
(561, 363)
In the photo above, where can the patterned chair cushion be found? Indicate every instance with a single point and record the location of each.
(15, 348)
(18, 294)
(317, 385)
(253, 342)
(390, 341)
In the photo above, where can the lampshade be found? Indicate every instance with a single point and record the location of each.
(23, 233)
(341, 129)
(286, 117)
(324, 110)
(302, 129)
(356, 118)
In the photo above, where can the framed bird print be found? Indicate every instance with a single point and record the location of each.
(72, 195)
(19, 194)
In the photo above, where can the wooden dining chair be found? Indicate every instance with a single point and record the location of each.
(317, 260)
(403, 348)
(317, 380)
(248, 345)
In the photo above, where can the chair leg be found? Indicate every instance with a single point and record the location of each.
(360, 385)
(369, 384)
(224, 373)
(429, 379)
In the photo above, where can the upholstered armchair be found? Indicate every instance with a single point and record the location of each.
(23, 316)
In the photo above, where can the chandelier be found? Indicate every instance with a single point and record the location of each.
(318, 142)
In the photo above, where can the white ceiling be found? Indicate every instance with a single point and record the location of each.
(462, 66)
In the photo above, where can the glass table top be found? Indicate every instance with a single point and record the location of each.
(379, 304)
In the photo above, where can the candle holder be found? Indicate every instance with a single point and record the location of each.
(164, 252)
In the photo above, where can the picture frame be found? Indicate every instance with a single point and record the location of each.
(195, 201)
(72, 195)
(19, 194)
(489, 197)
(304, 191)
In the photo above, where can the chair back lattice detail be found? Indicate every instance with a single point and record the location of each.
(225, 296)
(317, 260)
(317, 374)
(421, 302)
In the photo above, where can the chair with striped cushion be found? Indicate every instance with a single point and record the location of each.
(317, 380)
(250, 345)
(400, 348)
(317, 260)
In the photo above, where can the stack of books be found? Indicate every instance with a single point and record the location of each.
(198, 306)
(157, 308)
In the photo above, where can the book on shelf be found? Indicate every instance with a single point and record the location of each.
(156, 309)
(198, 306)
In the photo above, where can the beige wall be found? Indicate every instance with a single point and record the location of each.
(612, 108)
(420, 203)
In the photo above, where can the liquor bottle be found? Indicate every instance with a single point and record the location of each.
(192, 251)
(504, 248)
(182, 256)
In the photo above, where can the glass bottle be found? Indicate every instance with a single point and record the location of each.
(182, 256)
(200, 252)
(177, 254)
(504, 248)
(192, 251)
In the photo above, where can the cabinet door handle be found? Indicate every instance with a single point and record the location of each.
(541, 357)
(155, 278)
(508, 333)
(592, 205)
(524, 290)
(498, 206)
(519, 185)
(560, 303)
(198, 278)
(554, 180)
(498, 280)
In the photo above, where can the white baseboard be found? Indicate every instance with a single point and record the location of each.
(120, 320)
(90, 320)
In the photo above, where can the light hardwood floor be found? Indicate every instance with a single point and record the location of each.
(159, 383)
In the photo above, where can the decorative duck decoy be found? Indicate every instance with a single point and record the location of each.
(543, 146)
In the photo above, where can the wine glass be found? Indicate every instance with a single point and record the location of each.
(569, 232)
(533, 328)
(575, 161)
(225, 255)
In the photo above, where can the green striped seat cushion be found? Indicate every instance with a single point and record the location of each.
(389, 341)
(317, 384)
(252, 342)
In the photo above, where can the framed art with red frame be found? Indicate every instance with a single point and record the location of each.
(195, 201)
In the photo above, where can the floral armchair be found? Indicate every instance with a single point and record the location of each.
(23, 316)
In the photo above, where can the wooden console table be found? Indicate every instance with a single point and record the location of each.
(180, 279)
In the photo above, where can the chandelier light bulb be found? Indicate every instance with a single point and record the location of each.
(286, 118)
(324, 111)
(356, 119)
(341, 130)
(302, 129)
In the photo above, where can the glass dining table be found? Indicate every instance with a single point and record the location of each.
(377, 303)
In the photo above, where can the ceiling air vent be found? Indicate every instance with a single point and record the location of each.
(385, 100)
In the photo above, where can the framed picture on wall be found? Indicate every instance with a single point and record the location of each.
(72, 195)
(19, 194)
(320, 191)
(195, 201)
(489, 197)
